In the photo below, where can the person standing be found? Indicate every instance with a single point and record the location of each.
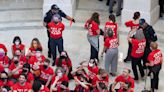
(138, 47)
(161, 3)
(150, 36)
(111, 49)
(155, 59)
(48, 18)
(133, 24)
(92, 25)
(119, 6)
(111, 23)
(56, 27)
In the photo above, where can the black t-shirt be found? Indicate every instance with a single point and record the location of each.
(49, 15)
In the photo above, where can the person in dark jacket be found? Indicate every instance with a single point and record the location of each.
(150, 36)
(48, 18)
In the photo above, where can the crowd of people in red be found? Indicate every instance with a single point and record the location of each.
(31, 71)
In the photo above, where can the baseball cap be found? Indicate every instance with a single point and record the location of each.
(141, 22)
(55, 7)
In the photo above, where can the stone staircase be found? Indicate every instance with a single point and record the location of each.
(20, 14)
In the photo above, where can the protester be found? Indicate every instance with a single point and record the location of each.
(56, 40)
(92, 25)
(55, 10)
(111, 50)
(155, 59)
(133, 24)
(35, 44)
(138, 47)
(17, 44)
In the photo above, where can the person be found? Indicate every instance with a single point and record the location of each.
(150, 36)
(4, 80)
(81, 80)
(125, 87)
(161, 3)
(4, 60)
(92, 25)
(46, 73)
(37, 59)
(133, 24)
(111, 23)
(4, 49)
(21, 57)
(58, 78)
(155, 59)
(15, 69)
(17, 44)
(35, 44)
(65, 62)
(56, 40)
(26, 70)
(111, 49)
(22, 85)
(124, 77)
(138, 47)
(119, 7)
(38, 87)
(6, 89)
(102, 77)
(49, 17)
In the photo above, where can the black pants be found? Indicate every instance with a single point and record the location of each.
(54, 43)
(161, 3)
(145, 56)
(155, 78)
(128, 57)
(137, 62)
(94, 53)
(49, 47)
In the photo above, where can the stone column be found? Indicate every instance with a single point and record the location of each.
(149, 10)
(67, 6)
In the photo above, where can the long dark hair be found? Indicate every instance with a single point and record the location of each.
(66, 59)
(95, 18)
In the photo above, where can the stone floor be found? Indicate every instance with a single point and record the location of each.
(75, 41)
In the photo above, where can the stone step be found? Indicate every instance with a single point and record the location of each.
(20, 4)
(21, 15)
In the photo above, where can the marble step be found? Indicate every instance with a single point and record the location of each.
(20, 4)
(20, 15)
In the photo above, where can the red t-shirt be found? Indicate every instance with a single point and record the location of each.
(64, 62)
(77, 88)
(9, 83)
(12, 67)
(3, 47)
(44, 89)
(33, 49)
(131, 24)
(92, 28)
(138, 48)
(30, 77)
(4, 60)
(96, 90)
(46, 73)
(96, 79)
(122, 79)
(1, 68)
(94, 69)
(56, 30)
(63, 78)
(17, 87)
(113, 26)
(34, 59)
(155, 57)
(21, 47)
(111, 42)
